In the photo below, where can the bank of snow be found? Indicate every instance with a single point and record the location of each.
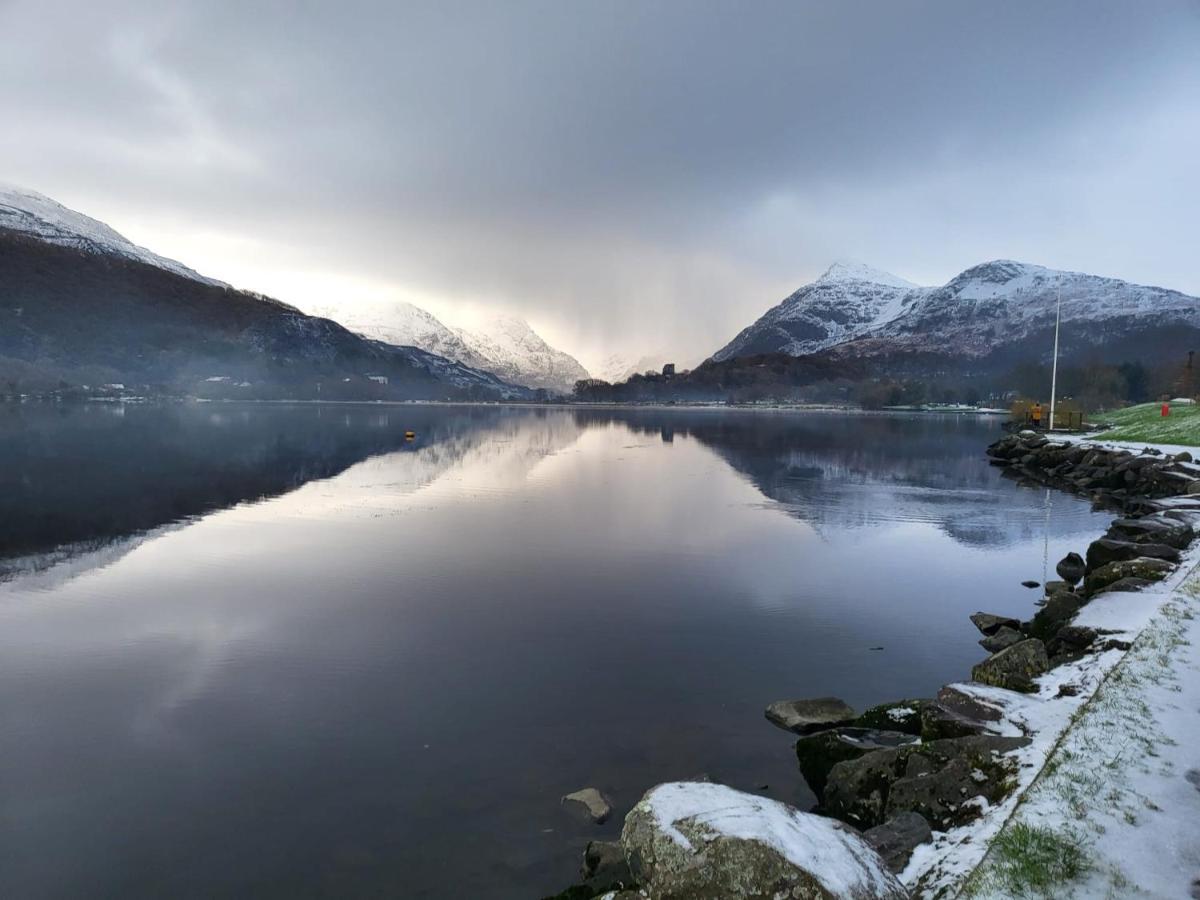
(1120, 793)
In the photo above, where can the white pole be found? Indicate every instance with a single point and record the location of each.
(1054, 370)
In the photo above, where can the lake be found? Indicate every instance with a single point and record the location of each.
(284, 651)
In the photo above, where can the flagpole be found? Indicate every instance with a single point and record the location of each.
(1054, 370)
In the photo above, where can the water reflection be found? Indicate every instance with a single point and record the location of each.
(307, 658)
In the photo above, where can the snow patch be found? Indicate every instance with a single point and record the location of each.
(835, 856)
(48, 220)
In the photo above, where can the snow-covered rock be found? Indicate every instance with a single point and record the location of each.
(862, 311)
(505, 346)
(692, 839)
(48, 220)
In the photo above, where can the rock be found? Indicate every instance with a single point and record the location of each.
(710, 842)
(1004, 637)
(1077, 636)
(989, 624)
(1141, 567)
(1015, 667)
(947, 775)
(939, 722)
(1054, 587)
(818, 753)
(1183, 456)
(807, 716)
(1071, 568)
(1154, 530)
(589, 802)
(903, 715)
(604, 867)
(1122, 585)
(1058, 611)
(965, 704)
(897, 838)
(1105, 550)
(1031, 584)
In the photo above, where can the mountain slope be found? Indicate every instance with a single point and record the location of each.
(80, 305)
(37, 215)
(995, 314)
(506, 347)
(849, 300)
(617, 367)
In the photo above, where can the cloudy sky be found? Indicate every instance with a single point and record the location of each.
(629, 176)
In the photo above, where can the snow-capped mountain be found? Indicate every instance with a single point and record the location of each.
(48, 220)
(80, 304)
(849, 300)
(1004, 301)
(505, 346)
(619, 367)
(993, 309)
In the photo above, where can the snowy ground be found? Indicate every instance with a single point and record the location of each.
(1105, 781)
(1121, 790)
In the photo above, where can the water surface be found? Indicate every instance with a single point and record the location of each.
(282, 651)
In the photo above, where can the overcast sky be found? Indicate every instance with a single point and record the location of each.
(629, 176)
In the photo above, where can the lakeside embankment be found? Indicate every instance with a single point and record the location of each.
(972, 791)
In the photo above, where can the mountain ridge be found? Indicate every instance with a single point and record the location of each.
(82, 305)
(506, 346)
(987, 309)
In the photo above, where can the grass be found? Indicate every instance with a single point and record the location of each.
(1146, 423)
(1088, 778)
(1032, 861)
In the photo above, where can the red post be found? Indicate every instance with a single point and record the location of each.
(1166, 410)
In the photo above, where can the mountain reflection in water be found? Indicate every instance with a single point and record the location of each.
(280, 650)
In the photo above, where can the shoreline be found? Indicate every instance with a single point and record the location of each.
(983, 748)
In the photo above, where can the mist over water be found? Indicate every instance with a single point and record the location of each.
(282, 651)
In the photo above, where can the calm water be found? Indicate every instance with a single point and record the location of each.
(279, 651)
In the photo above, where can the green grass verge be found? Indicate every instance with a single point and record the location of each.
(1146, 423)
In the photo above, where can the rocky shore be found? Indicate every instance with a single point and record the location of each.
(909, 793)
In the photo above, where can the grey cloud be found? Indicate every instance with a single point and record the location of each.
(624, 170)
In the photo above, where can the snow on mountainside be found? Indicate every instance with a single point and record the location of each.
(618, 367)
(988, 307)
(36, 214)
(846, 302)
(1004, 301)
(98, 308)
(506, 347)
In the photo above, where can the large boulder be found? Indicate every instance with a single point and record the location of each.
(691, 841)
(807, 716)
(897, 838)
(818, 753)
(1058, 610)
(1071, 568)
(902, 715)
(1142, 567)
(1015, 667)
(1156, 529)
(1004, 637)
(1105, 550)
(989, 623)
(939, 779)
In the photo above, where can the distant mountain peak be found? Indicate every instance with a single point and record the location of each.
(851, 270)
(504, 345)
(27, 211)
